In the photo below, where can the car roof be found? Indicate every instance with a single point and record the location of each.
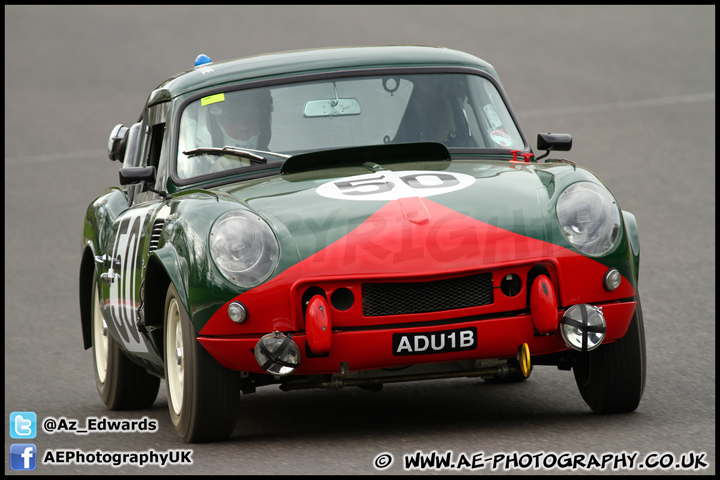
(298, 62)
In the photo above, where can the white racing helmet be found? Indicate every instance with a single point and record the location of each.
(243, 119)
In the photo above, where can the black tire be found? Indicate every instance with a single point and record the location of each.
(611, 379)
(203, 396)
(121, 383)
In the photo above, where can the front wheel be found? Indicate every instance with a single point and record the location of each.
(121, 383)
(203, 396)
(611, 379)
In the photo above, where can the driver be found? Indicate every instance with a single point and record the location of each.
(244, 119)
(240, 127)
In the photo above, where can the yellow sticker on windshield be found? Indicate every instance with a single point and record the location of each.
(220, 97)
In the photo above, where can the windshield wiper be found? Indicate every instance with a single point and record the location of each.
(254, 158)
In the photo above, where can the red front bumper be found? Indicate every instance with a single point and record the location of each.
(365, 349)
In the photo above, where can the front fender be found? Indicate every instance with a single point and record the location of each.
(175, 269)
(184, 254)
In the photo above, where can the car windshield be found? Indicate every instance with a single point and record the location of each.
(457, 109)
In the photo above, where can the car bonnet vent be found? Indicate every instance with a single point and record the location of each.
(343, 157)
(155, 235)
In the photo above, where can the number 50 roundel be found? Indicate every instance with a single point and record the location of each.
(387, 185)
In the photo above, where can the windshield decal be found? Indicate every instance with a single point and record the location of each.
(501, 138)
(220, 97)
(492, 116)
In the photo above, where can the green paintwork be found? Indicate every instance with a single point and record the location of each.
(513, 197)
(516, 197)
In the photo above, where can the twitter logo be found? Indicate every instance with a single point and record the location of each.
(23, 425)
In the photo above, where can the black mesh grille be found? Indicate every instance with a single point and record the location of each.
(381, 299)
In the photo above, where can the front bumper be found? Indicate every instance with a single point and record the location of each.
(371, 347)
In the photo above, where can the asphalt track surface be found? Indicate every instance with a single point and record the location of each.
(635, 86)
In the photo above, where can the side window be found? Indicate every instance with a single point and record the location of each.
(151, 158)
(132, 156)
(156, 137)
(153, 132)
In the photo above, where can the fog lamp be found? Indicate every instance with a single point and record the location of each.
(583, 327)
(612, 279)
(237, 312)
(277, 354)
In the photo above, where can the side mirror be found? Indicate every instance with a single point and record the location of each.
(135, 175)
(144, 175)
(117, 143)
(561, 142)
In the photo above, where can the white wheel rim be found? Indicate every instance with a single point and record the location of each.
(100, 340)
(174, 357)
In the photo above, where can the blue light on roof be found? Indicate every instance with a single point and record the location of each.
(202, 59)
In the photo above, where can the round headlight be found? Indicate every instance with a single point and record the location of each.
(244, 248)
(589, 218)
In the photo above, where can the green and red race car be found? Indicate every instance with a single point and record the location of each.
(349, 217)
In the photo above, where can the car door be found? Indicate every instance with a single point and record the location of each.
(129, 243)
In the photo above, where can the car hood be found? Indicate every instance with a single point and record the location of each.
(401, 218)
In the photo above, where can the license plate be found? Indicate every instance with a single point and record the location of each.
(445, 341)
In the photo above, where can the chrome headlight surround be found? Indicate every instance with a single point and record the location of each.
(277, 354)
(589, 217)
(244, 248)
(583, 327)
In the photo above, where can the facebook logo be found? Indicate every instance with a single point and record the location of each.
(23, 456)
(23, 425)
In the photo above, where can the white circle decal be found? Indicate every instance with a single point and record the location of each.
(501, 138)
(389, 185)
